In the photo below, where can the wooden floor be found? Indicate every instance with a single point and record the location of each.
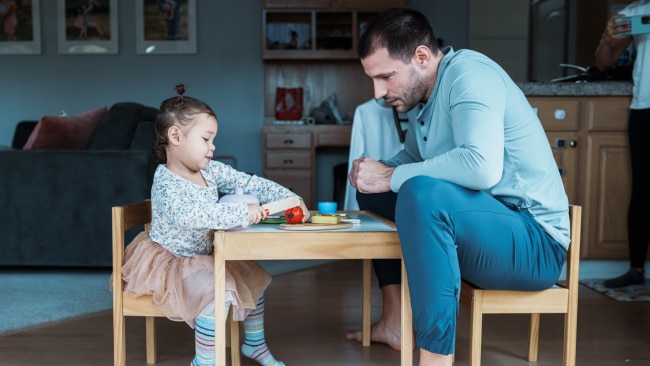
(307, 314)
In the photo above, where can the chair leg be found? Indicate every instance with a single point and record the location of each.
(476, 329)
(533, 337)
(151, 340)
(570, 330)
(235, 356)
(366, 302)
(119, 338)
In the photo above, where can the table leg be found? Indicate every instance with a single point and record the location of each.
(219, 299)
(366, 304)
(407, 322)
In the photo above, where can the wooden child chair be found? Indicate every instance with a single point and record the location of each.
(125, 218)
(562, 299)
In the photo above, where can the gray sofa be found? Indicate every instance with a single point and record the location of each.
(55, 205)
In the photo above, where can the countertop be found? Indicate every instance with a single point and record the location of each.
(588, 88)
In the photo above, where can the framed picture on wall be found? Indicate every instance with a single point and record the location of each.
(20, 27)
(87, 26)
(165, 26)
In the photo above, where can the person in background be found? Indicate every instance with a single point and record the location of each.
(476, 191)
(174, 261)
(375, 135)
(612, 45)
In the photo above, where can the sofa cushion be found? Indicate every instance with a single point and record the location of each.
(23, 130)
(64, 133)
(144, 136)
(116, 130)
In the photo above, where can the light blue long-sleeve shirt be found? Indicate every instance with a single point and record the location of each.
(478, 130)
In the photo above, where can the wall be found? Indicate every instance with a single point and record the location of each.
(228, 59)
(226, 72)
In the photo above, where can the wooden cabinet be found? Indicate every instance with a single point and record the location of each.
(290, 152)
(312, 44)
(316, 29)
(588, 136)
(560, 119)
(608, 177)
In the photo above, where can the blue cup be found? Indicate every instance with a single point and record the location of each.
(327, 208)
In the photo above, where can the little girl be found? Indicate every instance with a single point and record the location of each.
(174, 261)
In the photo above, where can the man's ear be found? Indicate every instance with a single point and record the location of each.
(174, 135)
(422, 56)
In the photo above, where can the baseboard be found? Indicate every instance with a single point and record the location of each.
(592, 268)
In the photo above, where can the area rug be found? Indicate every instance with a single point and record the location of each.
(634, 293)
(36, 296)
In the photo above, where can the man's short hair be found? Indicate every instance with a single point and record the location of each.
(400, 31)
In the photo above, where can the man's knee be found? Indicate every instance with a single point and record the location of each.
(423, 192)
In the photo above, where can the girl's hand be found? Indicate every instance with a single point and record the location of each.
(255, 213)
(305, 211)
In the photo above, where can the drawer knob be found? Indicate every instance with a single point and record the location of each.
(288, 161)
(560, 114)
(562, 143)
(288, 142)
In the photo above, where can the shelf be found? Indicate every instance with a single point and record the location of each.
(309, 34)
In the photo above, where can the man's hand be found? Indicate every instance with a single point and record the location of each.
(370, 176)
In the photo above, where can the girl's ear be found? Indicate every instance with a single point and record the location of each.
(174, 135)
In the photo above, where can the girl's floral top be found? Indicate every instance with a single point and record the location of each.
(185, 215)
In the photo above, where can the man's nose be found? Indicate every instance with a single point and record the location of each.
(380, 90)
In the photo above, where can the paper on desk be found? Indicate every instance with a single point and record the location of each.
(351, 219)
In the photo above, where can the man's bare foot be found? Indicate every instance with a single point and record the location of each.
(379, 333)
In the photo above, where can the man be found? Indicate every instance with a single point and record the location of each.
(474, 193)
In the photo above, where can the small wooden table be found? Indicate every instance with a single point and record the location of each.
(372, 238)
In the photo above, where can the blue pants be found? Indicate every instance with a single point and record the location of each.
(447, 231)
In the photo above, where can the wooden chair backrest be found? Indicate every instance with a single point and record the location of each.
(125, 218)
(573, 254)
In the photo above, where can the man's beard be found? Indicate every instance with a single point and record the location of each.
(413, 93)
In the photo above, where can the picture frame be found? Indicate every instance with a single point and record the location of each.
(87, 26)
(165, 26)
(26, 36)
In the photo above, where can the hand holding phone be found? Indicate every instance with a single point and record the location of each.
(635, 24)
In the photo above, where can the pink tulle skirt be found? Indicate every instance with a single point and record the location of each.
(183, 286)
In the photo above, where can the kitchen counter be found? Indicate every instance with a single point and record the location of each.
(589, 88)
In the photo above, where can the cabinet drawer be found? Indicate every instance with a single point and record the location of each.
(288, 140)
(288, 159)
(608, 114)
(334, 138)
(557, 114)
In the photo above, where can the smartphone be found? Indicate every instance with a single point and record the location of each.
(639, 24)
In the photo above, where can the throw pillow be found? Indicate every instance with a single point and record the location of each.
(65, 133)
(117, 128)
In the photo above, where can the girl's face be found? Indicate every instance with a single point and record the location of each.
(196, 147)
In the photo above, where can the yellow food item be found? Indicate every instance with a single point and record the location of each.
(325, 219)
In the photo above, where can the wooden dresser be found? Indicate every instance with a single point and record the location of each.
(290, 154)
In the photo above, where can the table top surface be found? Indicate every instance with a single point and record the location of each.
(368, 222)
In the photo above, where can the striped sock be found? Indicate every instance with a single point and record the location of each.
(204, 336)
(254, 346)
